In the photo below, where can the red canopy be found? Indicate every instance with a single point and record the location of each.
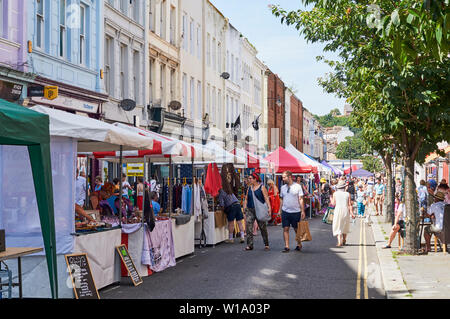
(284, 161)
(353, 167)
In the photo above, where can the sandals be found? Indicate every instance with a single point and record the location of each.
(298, 248)
(285, 250)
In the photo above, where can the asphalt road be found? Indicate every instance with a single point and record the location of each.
(226, 271)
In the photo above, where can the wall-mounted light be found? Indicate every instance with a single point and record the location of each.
(101, 74)
(30, 46)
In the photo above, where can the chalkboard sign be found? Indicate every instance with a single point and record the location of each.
(81, 276)
(129, 264)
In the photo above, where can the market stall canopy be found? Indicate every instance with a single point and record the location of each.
(362, 173)
(22, 126)
(284, 161)
(253, 161)
(94, 135)
(222, 156)
(334, 169)
(354, 168)
(169, 146)
(304, 158)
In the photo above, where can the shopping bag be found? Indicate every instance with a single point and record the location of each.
(303, 233)
(330, 215)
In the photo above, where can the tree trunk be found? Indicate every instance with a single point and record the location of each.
(412, 212)
(388, 200)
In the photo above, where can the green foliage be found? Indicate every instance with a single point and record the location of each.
(353, 147)
(393, 68)
(329, 120)
(372, 164)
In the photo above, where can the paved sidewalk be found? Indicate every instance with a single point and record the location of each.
(406, 277)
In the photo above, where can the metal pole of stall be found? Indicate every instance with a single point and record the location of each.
(170, 185)
(310, 198)
(86, 202)
(143, 199)
(120, 186)
(193, 184)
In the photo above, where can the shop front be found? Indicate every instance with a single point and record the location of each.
(69, 133)
(69, 98)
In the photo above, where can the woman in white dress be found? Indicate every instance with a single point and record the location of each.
(342, 212)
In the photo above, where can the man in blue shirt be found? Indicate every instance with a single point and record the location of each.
(379, 197)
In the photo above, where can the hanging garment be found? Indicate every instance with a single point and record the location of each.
(177, 196)
(165, 197)
(196, 207)
(159, 250)
(213, 180)
(186, 199)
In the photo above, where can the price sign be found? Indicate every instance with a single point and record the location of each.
(135, 169)
(129, 264)
(81, 276)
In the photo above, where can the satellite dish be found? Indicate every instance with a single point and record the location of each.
(127, 105)
(175, 105)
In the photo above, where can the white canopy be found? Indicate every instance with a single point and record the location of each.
(92, 135)
(295, 152)
(222, 156)
(252, 159)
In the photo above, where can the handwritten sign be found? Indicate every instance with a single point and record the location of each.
(81, 276)
(129, 264)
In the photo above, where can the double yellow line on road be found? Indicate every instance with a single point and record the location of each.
(362, 251)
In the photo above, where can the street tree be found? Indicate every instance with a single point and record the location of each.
(353, 147)
(399, 50)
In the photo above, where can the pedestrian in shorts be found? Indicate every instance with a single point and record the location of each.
(291, 197)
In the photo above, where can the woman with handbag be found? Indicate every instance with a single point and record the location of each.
(342, 211)
(257, 207)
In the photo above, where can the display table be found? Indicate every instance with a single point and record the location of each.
(213, 235)
(183, 238)
(103, 258)
(133, 238)
(17, 252)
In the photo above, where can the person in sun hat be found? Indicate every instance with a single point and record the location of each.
(342, 212)
(325, 194)
(436, 212)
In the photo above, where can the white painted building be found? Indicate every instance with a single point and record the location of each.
(343, 134)
(232, 85)
(192, 65)
(214, 36)
(307, 124)
(124, 56)
(164, 79)
(260, 103)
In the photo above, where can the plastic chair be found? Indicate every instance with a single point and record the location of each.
(6, 273)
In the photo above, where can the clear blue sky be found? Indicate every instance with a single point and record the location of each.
(282, 49)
